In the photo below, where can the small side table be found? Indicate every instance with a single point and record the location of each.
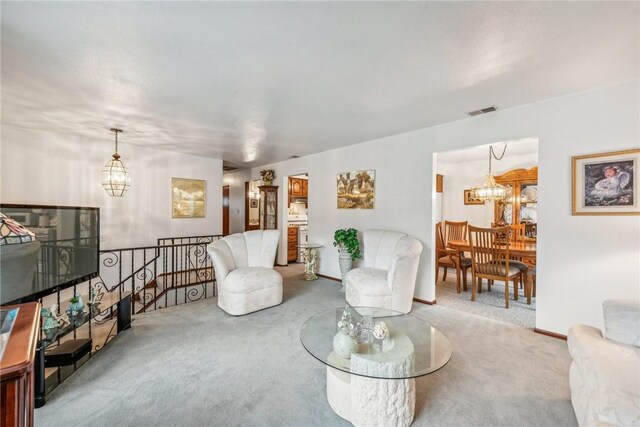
(310, 258)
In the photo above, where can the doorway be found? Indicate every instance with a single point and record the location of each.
(251, 205)
(458, 171)
(297, 215)
(225, 210)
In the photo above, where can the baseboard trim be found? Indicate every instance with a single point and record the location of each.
(335, 279)
(425, 301)
(550, 334)
(282, 265)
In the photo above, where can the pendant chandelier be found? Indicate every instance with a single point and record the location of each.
(115, 177)
(491, 190)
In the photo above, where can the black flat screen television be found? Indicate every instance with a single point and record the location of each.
(66, 251)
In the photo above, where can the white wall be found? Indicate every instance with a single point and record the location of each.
(235, 181)
(581, 260)
(465, 175)
(55, 169)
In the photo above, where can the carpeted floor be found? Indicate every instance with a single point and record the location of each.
(487, 304)
(194, 365)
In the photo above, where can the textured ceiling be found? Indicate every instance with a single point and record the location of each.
(253, 83)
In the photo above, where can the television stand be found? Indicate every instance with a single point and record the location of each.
(51, 353)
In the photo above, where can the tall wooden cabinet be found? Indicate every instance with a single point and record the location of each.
(268, 207)
(521, 207)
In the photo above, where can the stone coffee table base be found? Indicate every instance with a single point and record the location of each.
(366, 401)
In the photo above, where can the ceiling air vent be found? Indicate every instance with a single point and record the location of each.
(483, 111)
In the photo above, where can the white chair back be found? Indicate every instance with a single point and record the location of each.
(255, 248)
(379, 247)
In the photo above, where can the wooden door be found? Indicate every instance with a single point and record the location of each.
(225, 210)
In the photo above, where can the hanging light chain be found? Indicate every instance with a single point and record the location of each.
(493, 154)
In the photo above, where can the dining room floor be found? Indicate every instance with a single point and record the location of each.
(487, 304)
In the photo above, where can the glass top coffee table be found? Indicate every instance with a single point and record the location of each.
(370, 369)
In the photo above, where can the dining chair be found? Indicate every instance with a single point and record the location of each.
(455, 230)
(532, 273)
(517, 235)
(517, 232)
(490, 260)
(449, 258)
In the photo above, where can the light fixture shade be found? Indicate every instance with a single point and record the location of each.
(12, 232)
(115, 177)
(490, 190)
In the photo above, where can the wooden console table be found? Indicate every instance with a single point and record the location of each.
(17, 367)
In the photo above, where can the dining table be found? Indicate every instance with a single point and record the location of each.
(517, 249)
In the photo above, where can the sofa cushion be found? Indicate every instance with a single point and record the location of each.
(249, 279)
(374, 278)
(622, 321)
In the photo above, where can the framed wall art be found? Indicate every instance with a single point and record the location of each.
(188, 198)
(356, 189)
(469, 199)
(606, 183)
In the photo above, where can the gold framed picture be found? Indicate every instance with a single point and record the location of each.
(606, 183)
(470, 200)
(188, 198)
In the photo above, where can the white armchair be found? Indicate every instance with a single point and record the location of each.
(243, 267)
(605, 373)
(388, 277)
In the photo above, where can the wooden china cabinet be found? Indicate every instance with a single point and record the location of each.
(521, 207)
(268, 207)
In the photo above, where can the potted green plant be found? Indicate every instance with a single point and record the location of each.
(346, 240)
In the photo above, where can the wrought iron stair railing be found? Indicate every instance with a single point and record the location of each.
(175, 271)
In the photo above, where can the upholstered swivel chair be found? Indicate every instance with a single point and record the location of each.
(243, 268)
(388, 277)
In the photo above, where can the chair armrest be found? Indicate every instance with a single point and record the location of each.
(609, 369)
(222, 259)
(622, 321)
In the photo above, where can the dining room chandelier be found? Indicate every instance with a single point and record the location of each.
(116, 179)
(491, 190)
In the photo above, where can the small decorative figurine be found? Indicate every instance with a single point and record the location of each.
(52, 319)
(381, 331)
(49, 322)
(76, 306)
(58, 316)
(345, 324)
(97, 292)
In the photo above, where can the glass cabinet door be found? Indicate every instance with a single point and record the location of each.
(271, 211)
(529, 208)
(268, 207)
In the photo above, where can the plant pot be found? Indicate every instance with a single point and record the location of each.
(266, 182)
(346, 264)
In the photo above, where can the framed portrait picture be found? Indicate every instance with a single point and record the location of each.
(470, 200)
(188, 198)
(356, 189)
(606, 183)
